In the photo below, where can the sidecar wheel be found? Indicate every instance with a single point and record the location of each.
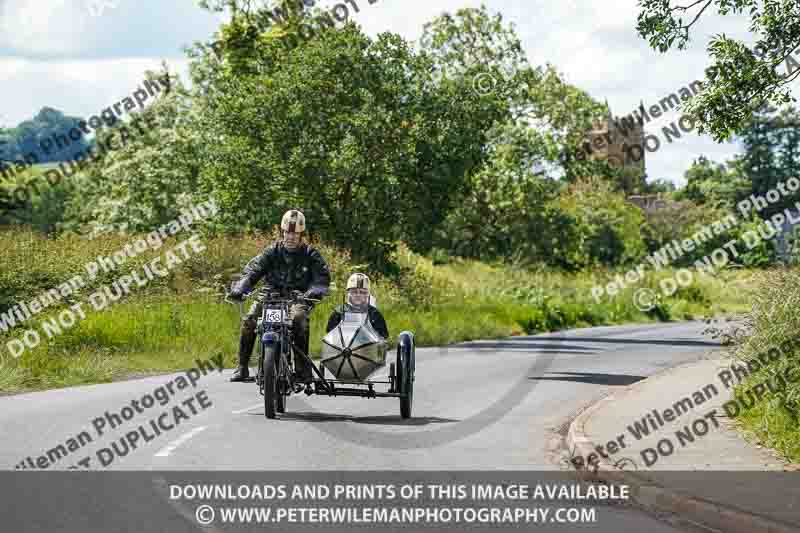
(405, 372)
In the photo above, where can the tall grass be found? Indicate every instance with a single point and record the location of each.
(173, 321)
(773, 321)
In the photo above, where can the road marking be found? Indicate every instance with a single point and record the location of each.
(172, 446)
(240, 411)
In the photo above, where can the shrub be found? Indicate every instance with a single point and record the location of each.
(774, 321)
(595, 226)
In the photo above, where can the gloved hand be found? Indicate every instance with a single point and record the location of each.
(236, 295)
(298, 312)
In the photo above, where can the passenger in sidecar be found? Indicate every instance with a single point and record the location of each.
(359, 300)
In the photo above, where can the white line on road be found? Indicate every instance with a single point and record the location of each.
(172, 446)
(240, 411)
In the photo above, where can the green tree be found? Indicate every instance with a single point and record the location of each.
(484, 52)
(594, 225)
(504, 211)
(46, 136)
(714, 184)
(150, 178)
(742, 78)
(659, 186)
(772, 155)
(359, 133)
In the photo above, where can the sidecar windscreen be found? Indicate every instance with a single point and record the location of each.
(353, 350)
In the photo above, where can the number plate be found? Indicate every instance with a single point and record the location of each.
(274, 315)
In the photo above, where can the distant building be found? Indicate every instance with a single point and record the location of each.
(648, 202)
(621, 147)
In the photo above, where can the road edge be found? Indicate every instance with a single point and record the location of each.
(654, 497)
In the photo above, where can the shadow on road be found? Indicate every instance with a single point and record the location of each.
(594, 379)
(661, 342)
(384, 420)
(572, 345)
(518, 346)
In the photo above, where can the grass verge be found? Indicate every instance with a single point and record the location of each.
(774, 321)
(171, 322)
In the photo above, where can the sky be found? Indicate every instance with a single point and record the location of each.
(80, 56)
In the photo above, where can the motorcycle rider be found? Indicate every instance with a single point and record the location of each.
(286, 265)
(358, 301)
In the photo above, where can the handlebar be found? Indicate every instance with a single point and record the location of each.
(298, 295)
(244, 297)
(295, 296)
(240, 303)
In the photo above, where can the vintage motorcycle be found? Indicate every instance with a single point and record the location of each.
(351, 352)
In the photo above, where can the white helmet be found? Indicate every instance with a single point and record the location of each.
(358, 280)
(293, 220)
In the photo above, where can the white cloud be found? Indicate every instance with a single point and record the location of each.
(67, 29)
(77, 88)
(44, 26)
(54, 53)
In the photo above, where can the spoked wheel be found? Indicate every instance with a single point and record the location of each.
(405, 372)
(271, 393)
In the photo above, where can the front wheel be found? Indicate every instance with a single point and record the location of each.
(280, 395)
(271, 393)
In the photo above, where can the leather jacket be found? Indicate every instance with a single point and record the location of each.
(283, 271)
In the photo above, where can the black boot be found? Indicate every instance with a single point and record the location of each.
(301, 364)
(246, 343)
(241, 374)
(303, 370)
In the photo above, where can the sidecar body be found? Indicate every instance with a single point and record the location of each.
(353, 351)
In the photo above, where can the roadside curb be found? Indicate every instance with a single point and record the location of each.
(655, 497)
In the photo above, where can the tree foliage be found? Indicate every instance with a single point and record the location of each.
(742, 77)
(504, 213)
(714, 184)
(50, 126)
(509, 209)
(357, 132)
(771, 155)
(149, 179)
(595, 226)
(458, 144)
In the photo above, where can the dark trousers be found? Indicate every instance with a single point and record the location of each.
(248, 336)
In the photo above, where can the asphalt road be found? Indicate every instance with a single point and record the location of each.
(486, 405)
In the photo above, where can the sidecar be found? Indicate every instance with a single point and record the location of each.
(353, 351)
